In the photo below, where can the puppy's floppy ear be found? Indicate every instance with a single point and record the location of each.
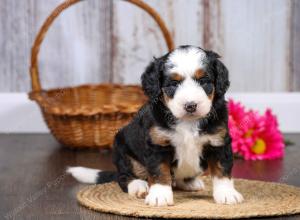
(220, 73)
(151, 79)
(222, 78)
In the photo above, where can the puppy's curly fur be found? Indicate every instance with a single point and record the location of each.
(178, 134)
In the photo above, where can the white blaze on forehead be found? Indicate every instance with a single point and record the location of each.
(185, 61)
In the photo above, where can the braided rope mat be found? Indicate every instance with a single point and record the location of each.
(261, 199)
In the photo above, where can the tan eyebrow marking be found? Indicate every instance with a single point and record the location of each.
(176, 77)
(199, 73)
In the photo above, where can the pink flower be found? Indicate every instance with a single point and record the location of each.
(254, 136)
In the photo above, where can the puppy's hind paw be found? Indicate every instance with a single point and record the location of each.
(195, 184)
(138, 188)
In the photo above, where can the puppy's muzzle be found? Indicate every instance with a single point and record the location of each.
(190, 107)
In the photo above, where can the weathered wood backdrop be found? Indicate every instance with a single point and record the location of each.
(111, 40)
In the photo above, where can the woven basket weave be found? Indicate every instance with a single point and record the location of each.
(87, 116)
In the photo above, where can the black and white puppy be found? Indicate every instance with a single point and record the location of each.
(177, 135)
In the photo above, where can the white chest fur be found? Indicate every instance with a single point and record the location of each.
(188, 148)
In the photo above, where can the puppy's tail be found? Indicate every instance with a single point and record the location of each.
(88, 175)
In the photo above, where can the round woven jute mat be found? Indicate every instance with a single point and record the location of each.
(261, 199)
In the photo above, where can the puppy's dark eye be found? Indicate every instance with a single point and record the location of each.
(171, 83)
(206, 84)
(204, 80)
(170, 86)
(174, 83)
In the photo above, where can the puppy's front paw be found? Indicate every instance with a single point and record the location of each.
(225, 193)
(160, 195)
(191, 185)
(138, 188)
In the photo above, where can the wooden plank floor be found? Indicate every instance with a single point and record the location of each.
(33, 184)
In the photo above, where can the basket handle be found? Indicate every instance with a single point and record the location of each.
(34, 71)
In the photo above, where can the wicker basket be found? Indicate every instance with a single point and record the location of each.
(87, 116)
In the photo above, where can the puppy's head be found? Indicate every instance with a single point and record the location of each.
(187, 80)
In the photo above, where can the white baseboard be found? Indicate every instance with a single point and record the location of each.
(20, 115)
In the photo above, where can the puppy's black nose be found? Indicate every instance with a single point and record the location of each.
(190, 107)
